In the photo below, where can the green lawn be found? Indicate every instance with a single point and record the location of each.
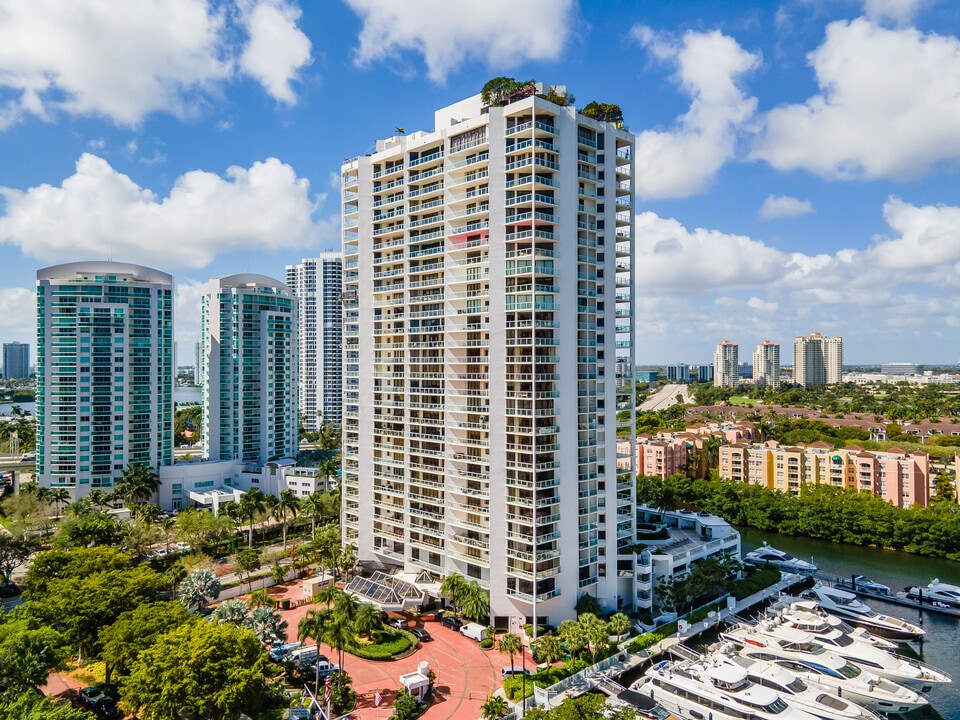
(743, 401)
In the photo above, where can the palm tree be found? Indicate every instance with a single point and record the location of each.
(338, 633)
(58, 496)
(548, 649)
(231, 611)
(98, 498)
(495, 707)
(267, 625)
(78, 508)
(573, 636)
(367, 618)
(452, 588)
(252, 504)
(511, 645)
(287, 504)
(327, 468)
(198, 589)
(139, 484)
(312, 505)
(476, 602)
(619, 624)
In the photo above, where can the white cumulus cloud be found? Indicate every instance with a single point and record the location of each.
(899, 11)
(18, 315)
(888, 106)
(682, 160)
(500, 33)
(783, 206)
(123, 60)
(277, 48)
(98, 213)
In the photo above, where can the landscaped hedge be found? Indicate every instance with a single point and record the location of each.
(642, 642)
(761, 578)
(391, 643)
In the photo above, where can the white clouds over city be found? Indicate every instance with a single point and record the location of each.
(888, 106)
(100, 213)
(709, 67)
(122, 60)
(499, 33)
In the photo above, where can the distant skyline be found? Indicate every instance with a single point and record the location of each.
(797, 161)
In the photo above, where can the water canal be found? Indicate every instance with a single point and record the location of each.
(940, 648)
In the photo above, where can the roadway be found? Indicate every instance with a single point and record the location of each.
(666, 397)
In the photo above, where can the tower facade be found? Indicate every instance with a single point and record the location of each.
(248, 365)
(318, 284)
(817, 360)
(726, 365)
(105, 373)
(488, 274)
(766, 365)
(16, 360)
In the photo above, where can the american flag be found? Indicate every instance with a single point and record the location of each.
(377, 698)
(326, 693)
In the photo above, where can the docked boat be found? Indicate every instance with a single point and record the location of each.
(808, 616)
(768, 555)
(860, 583)
(848, 606)
(935, 592)
(804, 646)
(795, 691)
(827, 671)
(722, 691)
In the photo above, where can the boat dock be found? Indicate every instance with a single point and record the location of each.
(893, 598)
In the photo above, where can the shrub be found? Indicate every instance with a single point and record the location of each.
(391, 643)
(642, 642)
(761, 578)
(486, 643)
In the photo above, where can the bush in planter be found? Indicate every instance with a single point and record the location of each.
(486, 643)
(389, 644)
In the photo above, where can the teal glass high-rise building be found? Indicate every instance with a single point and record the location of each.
(105, 373)
(249, 370)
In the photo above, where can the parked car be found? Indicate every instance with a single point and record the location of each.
(452, 622)
(420, 634)
(398, 622)
(279, 651)
(512, 670)
(103, 705)
(321, 668)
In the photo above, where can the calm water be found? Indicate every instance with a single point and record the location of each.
(940, 648)
(180, 395)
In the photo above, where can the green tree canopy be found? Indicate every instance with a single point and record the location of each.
(201, 671)
(136, 630)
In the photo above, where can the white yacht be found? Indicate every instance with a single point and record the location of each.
(848, 606)
(767, 554)
(829, 672)
(808, 616)
(696, 690)
(792, 688)
(805, 646)
(936, 592)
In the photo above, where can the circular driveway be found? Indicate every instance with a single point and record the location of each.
(466, 675)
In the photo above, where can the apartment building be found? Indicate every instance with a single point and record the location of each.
(898, 477)
(16, 360)
(817, 360)
(691, 537)
(488, 273)
(766, 365)
(105, 373)
(726, 365)
(318, 284)
(249, 370)
(660, 456)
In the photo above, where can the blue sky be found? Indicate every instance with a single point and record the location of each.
(797, 161)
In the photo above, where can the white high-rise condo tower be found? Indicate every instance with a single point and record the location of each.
(318, 284)
(817, 360)
(766, 365)
(488, 274)
(104, 373)
(249, 370)
(726, 366)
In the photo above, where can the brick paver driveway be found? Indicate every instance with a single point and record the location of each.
(466, 675)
